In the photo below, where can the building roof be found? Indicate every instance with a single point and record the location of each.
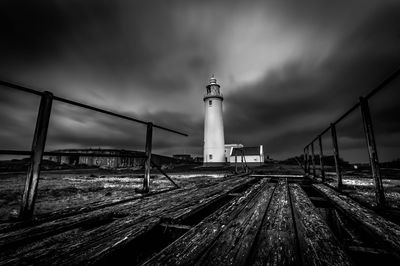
(246, 151)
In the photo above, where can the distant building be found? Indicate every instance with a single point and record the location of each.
(228, 150)
(249, 155)
(198, 159)
(110, 158)
(185, 157)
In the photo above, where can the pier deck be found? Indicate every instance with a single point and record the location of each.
(256, 219)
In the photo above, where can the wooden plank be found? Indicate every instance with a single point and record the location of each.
(188, 248)
(316, 241)
(234, 244)
(276, 243)
(67, 223)
(86, 244)
(203, 202)
(61, 225)
(382, 229)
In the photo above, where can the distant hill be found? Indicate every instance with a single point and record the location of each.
(21, 165)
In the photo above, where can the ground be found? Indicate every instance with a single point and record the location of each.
(66, 190)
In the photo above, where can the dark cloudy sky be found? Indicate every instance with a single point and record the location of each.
(287, 68)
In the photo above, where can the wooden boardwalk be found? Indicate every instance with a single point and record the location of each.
(270, 224)
(241, 220)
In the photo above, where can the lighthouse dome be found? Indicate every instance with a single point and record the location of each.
(213, 80)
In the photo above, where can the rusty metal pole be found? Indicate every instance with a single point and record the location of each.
(38, 145)
(147, 165)
(307, 161)
(336, 157)
(321, 156)
(304, 160)
(372, 152)
(313, 158)
(235, 159)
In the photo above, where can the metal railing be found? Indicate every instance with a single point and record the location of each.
(309, 152)
(39, 141)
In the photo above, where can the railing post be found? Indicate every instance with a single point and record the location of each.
(336, 156)
(321, 156)
(372, 152)
(38, 144)
(243, 167)
(307, 161)
(313, 158)
(147, 165)
(304, 160)
(236, 161)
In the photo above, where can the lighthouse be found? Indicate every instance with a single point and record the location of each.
(213, 125)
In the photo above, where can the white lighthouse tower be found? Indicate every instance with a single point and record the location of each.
(213, 125)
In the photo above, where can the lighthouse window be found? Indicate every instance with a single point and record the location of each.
(210, 156)
(210, 103)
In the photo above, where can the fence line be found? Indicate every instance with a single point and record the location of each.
(39, 142)
(309, 163)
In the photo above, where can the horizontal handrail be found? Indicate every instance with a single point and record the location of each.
(382, 85)
(61, 99)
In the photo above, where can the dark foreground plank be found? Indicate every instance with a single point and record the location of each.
(317, 243)
(276, 243)
(384, 230)
(191, 246)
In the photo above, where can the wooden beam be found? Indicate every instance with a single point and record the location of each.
(372, 152)
(38, 145)
(276, 242)
(382, 230)
(317, 244)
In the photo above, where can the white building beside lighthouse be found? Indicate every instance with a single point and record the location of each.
(214, 141)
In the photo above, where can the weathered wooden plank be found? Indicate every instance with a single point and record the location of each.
(187, 249)
(316, 241)
(276, 242)
(203, 202)
(60, 225)
(382, 229)
(235, 242)
(86, 244)
(73, 211)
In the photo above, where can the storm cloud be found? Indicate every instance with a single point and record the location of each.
(287, 69)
